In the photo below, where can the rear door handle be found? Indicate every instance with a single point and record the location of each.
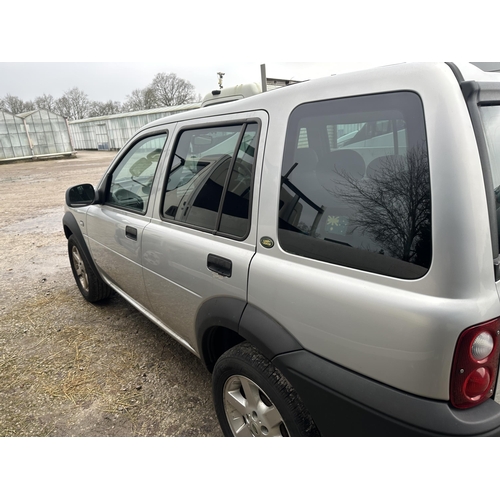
(131, 232)
(219, 265)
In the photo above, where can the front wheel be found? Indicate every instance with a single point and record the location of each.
(91, 286)
(253, 399)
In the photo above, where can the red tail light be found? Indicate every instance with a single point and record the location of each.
(475, 364)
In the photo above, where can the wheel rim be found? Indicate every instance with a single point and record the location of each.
(249, 410)
(80, 270)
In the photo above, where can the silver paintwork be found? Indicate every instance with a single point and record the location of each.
(402, 333)
(118, 257)
(175, 259)
(399, 332)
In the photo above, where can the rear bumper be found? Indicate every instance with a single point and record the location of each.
(344, 403)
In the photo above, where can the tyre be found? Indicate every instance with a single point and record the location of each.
(253, 399)
(91, 286)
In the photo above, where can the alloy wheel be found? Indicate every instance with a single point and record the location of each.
(249, 410)
(80, 270)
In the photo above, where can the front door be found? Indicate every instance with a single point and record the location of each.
(115, 228)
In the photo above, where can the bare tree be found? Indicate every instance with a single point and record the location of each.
(138, 100)
(74, 104)
(45, 102)
(16, 105)
(164, 90)
(134, 101)
(97, 108)
(29, 106)
(394, 207)
(170, 90)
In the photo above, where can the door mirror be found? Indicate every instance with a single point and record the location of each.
(80, 196)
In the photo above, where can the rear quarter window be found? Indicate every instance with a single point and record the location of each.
(355, 185)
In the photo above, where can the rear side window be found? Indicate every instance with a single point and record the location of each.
(210, 179)
(356, 186)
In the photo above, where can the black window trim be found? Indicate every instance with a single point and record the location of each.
(243, 123)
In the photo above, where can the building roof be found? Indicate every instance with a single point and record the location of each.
(166, 109)
(28, 113)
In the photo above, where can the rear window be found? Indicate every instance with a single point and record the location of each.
(490, 117)
(356, 186)
(491, 122)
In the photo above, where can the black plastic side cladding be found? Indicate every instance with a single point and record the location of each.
(265, 333)
(219, 312)
(70, 222)
(344, 403)
(247, 322)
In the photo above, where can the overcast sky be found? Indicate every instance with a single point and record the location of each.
(194, 39)
(103, 81)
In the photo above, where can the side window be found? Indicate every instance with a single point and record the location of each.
(131, 181)
(210, 179)
(235, 218)
(362, 199)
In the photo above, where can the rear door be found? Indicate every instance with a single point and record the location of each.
(201, 244)
(115, 228)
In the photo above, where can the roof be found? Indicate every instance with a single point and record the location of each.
(311, 89)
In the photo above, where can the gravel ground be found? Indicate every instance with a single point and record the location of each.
(67, 367)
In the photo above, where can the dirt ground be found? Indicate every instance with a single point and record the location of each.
(67, 367)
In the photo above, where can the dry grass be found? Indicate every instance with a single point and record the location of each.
(61, 379)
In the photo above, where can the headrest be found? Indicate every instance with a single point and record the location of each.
(338, 163)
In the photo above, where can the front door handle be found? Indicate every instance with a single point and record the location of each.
(131, 232)
(219, 265)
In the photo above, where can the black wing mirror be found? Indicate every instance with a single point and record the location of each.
(80, 196)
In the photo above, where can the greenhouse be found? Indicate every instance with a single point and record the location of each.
(113, 131)
(14, 142)
(35, 134)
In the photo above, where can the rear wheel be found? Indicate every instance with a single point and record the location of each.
(91, 286)
(253, 399)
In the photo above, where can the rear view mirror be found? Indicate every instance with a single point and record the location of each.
(80, 196)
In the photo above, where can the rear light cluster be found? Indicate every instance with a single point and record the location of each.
(475, 364)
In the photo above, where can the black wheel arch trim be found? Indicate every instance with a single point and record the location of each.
(248, 322)
(345, 403)
(70, 222)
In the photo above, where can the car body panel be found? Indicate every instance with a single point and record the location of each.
(401, 333)
(176, 274)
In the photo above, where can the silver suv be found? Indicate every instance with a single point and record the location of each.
(330, 250)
